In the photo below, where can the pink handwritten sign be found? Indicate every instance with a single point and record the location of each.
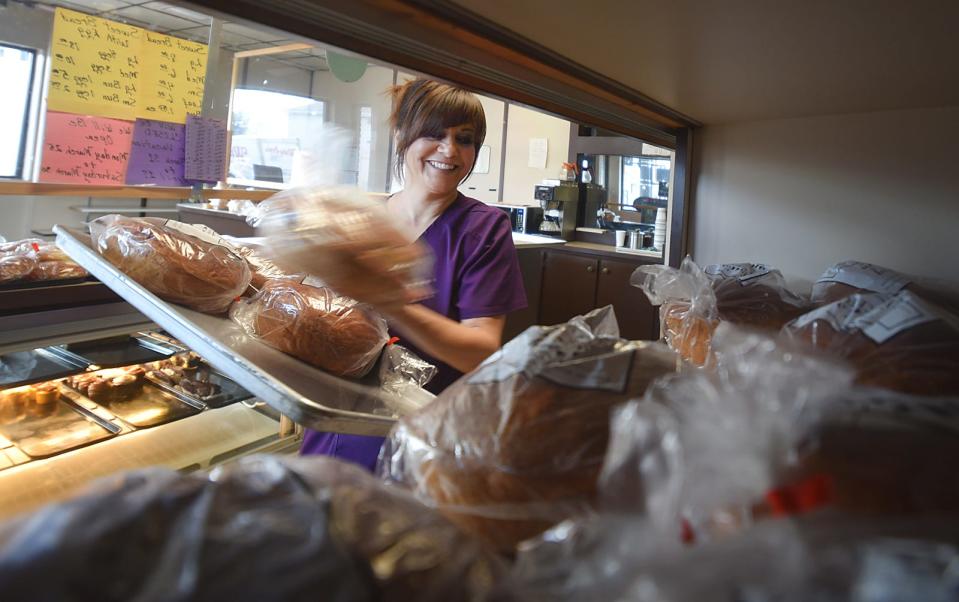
(79, 149)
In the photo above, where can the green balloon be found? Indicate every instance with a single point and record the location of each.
(345, 68)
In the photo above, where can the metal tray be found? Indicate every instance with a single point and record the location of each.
(230, 392)
(117, 351)
(63, 427)
(38, 365)
(308, 395)
(150, 407)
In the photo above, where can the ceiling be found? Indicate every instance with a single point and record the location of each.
(192, 25)
(729, 61)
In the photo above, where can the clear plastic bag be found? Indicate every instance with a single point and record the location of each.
(404, 374)
(849, 277)
(347, 240)
(517, 444)
(179, 263)
(262, 528)
(314, 324)
(828, 557)
(261, 267)
(694, 301)
(896, 341)
(18, 259)
(703, 447)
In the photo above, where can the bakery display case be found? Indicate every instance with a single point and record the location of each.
(87, 408)
(308, 395)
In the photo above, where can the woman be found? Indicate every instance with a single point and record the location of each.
(439, 130)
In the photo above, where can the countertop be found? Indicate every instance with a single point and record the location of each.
(522, 241)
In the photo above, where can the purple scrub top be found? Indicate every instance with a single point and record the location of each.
(476, 275)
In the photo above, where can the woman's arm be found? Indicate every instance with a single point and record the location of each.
(462, 345)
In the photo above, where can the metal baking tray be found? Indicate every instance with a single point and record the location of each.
(306, 394)
(60, 427)
(230, 392)
(117, 351)
(149, 407)
(39, 365)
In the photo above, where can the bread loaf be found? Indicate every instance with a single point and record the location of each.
(262, 267)
(314, 324)
(849, 277)
(175, 266)
(260, 528)
(894, 341)
(517, 444)
(694, 302)
(348, 241)
(876, 453)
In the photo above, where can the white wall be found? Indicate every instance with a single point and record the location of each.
(343, 102)
(524, 124)
(485, 186)
(802, 194)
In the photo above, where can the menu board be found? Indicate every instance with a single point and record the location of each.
(94, 66)
(177, 71)
(100, 67)
(156, 156)
(205, 149)
(81, 149)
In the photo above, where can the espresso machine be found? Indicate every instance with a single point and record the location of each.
(560, 204)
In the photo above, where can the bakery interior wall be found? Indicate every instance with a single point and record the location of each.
(822, 139)
(803, 193)
(32, 26)
(523, 126)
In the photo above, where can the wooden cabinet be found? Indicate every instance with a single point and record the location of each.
(637, 318)
(574, 284)
(569, 286)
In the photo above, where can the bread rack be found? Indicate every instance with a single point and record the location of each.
(308, 395)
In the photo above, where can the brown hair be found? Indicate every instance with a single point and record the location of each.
(426, 108)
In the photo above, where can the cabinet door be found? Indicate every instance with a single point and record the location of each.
(637, 318)
(569, 286)
(531, 266)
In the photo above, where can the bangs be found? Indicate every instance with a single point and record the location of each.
(424, 108)
(453, 108)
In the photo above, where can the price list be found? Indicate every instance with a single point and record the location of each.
(81, 149)
(95, 66)
(177, 71)
(206, 148)
(157, 153)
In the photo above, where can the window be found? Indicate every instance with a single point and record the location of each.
(16, 73)
(268, 130)
(644, 177)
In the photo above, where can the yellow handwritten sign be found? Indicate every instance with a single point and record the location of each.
(109, 69)
(94, 68)
(176, 70)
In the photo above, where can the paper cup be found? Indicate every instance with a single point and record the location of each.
(620, 238)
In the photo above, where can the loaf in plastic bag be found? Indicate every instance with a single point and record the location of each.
(849, 277)
(703, 447)
(177, 262)
(17, 261)
(829, 557)
(895, 341)
(263, 528)
(314, 324)
(694, 301)
(347, 240)
(517, 444)
(261, 267)
(34, 259)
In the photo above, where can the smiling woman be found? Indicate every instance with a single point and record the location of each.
(438, 130)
